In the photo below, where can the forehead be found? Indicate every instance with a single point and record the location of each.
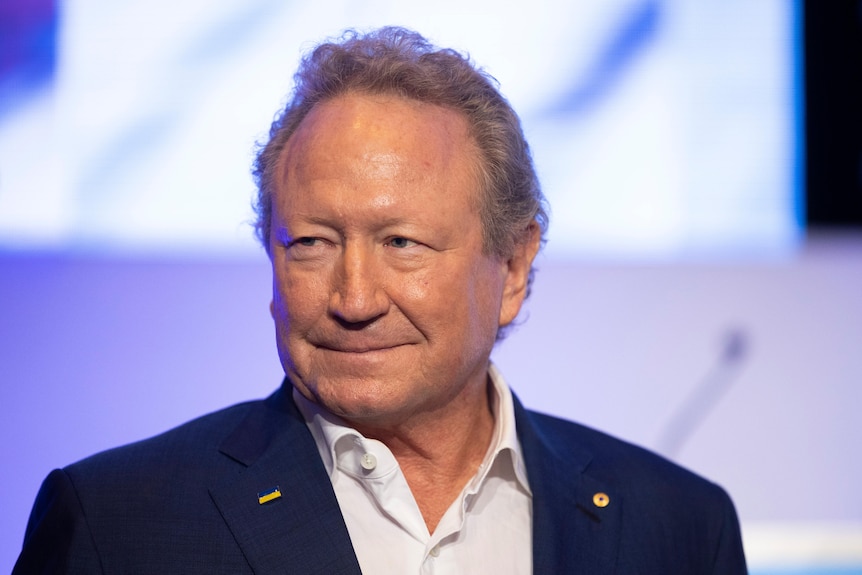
(385, 133)
(383, 115)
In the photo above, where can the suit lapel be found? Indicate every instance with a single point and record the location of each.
(302, 531)
(575, 530)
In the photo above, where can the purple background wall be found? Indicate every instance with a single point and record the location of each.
(98, 352)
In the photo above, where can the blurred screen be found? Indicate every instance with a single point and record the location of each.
(660, 129)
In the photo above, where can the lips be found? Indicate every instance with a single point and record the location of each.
(375, 337)
(365, 348)
(371, 338)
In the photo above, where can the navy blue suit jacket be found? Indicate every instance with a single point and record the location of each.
(187, 502)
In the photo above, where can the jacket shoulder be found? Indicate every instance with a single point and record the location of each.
(617, 461)
(670, 512)
(184, 446)
(111, 511)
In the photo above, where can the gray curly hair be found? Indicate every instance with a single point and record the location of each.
(397, 61)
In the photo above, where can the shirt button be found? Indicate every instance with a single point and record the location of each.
(435, 551)
(368, 462)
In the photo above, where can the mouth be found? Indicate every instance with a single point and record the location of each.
(359, 349)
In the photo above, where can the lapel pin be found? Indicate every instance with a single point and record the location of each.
(601, 499)
(268, 495)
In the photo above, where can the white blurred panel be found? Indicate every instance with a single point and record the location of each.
(660, 128)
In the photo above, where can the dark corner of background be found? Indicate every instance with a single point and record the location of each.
(832, 40)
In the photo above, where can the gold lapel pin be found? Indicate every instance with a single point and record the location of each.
(601, 499)
(268, 495)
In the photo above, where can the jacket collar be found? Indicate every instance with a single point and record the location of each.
(576, 517)
(293, 534)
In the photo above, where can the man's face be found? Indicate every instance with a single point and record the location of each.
(384, 303)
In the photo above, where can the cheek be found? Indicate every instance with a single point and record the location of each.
(298, 300)
(426, 287)
(454, 303)
(416, 287)
(487, 293)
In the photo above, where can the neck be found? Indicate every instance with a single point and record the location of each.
(440, 452)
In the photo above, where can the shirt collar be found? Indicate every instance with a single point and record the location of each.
(332, 434)
(505, 434)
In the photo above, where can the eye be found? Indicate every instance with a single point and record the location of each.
(399, 242)
(306, 247)
(305, 242)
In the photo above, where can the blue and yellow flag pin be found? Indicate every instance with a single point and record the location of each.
(268, 495)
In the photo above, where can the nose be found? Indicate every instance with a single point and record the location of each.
(358, 296)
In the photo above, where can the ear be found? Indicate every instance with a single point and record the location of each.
(518, 273)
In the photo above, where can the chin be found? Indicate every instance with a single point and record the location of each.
(368, 404)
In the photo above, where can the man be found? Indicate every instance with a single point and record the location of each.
(400, 210)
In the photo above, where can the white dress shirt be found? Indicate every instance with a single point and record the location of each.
(487, 529)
